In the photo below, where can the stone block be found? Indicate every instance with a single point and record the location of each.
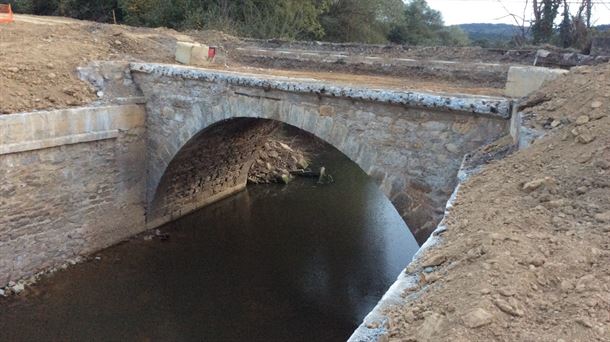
(184, 52)
(199, 54)
(192, 53)
(523, 81)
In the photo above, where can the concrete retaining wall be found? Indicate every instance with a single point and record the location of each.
(71, 182)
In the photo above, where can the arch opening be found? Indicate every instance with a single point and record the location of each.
(216, 161)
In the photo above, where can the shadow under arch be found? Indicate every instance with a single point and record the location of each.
(214, 164)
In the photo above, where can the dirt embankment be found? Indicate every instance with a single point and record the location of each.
(526, 256)
(39, 57)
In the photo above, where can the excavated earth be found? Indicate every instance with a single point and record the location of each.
(526, 253)
(39, 57)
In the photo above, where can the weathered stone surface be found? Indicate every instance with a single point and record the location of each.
(61, 200)
(493, 106)
(212, 165)
(398, 138)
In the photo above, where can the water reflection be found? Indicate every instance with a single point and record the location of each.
(297, 263)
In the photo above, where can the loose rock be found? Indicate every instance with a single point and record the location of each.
(434, 260)
(581, 120)
(477, 318)
(506, 307)
(603, 217)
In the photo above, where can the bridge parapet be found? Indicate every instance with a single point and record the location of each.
(411, 143)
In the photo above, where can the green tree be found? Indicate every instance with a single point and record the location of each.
(352, 21)
(422, 25)
(545, 12)
(42, 7)
(97, 10)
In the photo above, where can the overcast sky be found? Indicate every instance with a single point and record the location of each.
(491, 11)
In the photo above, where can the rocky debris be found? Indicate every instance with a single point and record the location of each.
(603, 217)
(21, 286)
(536, 184)
(429, 328)
(581, 120)
(596, 104)
(276, 163)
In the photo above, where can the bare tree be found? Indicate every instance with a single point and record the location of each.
(522, 24)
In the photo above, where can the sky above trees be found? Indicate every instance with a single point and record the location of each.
(494, 11)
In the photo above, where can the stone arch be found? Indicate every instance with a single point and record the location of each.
(412, 149)
(213, 163)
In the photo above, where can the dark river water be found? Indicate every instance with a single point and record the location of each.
(302, 262)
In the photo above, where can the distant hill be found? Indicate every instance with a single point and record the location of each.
(493, 35)
(603, 28)
(490, 34)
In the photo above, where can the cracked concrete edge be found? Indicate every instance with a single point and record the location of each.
(374, 327)
(469, 104)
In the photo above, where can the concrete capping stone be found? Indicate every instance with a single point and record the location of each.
(524, 80)
(60, 141)
(45, 129)
(468, 104)
(41, 125)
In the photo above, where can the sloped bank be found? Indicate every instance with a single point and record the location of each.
(412, 282)
(525, 248)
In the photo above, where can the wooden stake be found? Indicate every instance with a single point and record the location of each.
(113, 16)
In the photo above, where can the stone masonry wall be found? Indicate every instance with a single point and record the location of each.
(212, 165)
(71, 182)
(412, 151)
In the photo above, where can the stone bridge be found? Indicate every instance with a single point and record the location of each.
(204, 126)
(173, 139)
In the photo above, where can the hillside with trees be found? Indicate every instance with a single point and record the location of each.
(490, 35)
(560, 22)
(368, 21)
